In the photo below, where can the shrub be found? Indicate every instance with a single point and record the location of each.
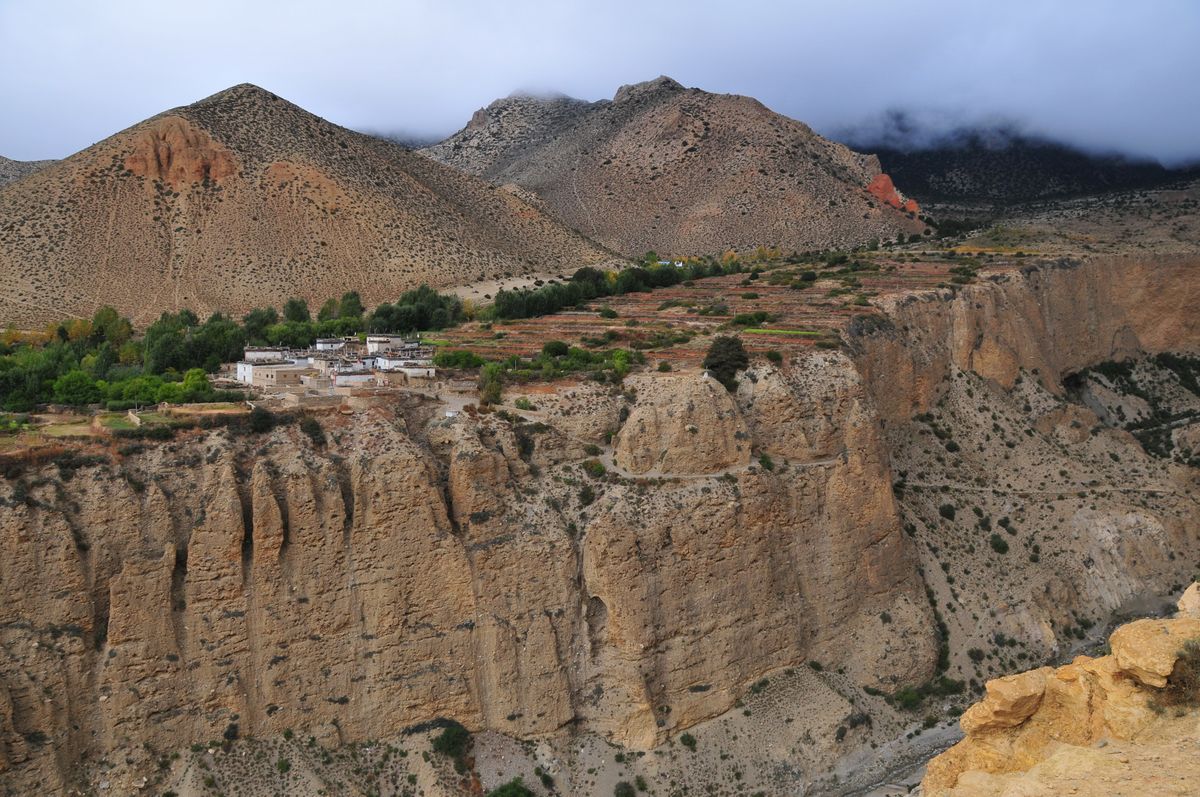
(907, 698)
(726, 356)
(766, 462)
(457, 359)
(664, 366)
(261, 420)
(490, 384)
(453, 740)
(524, 404)
(1183, 684)
(514, 788)
(586, 495)
(624, 789)
(774, 356)
(594, 468)
(946, 511)
(555, 348)
(283, 765)
(999, 545)
(608, 312)
(312, 428)
(688, 741)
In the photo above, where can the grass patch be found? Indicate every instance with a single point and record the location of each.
(799, 333)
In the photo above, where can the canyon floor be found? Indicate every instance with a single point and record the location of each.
(967, 459)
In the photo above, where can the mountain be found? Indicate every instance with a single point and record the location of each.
(244, 199)
(680, 171)
(1001, 164)
(11, 170)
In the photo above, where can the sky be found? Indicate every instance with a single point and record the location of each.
(1109, 76)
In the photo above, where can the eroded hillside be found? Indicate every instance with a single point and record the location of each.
(242, 200)
(682, 171)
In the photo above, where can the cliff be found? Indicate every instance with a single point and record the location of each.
(161, 596)
(488, 568)
(1123, 723)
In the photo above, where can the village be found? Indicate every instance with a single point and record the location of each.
(332, 368)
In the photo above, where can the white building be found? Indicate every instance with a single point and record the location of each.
(377, 343)
(329, 344)
(260, 353)
(246, 368)
(353, 378)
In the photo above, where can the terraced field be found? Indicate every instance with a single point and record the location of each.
(672, 324)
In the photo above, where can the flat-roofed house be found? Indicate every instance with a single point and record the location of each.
(260, 353)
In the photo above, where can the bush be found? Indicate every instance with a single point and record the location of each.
(664, 366)
(1183, 684)
(766, 462)
(774, 357)
(524, 404)
(947, 511)
(998, 543)
(555, 348)
(452, 741)
(726, 356)
(907, 698)
(312, 428)
(457, 359)
(490, 384)
(624, 789)
(261, 420)
(688, 741)
(514, 788)
(608, 312)
(594, 468)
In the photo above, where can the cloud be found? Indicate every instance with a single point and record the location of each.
(1100, 74)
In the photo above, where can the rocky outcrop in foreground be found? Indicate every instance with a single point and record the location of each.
(1125, 723)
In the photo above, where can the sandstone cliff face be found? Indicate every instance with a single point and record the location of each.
(459, 568)
(1089, 727)
(1049, 319)
(409, 574)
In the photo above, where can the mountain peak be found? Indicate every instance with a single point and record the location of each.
(660, 85)
(242, 92)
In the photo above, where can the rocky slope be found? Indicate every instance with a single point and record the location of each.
(482, 568)
(681, 171)
(1095, 726)
(1004, 168)
(243, 199)
(11, 170)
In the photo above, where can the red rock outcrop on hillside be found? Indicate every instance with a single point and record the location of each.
(882, 188)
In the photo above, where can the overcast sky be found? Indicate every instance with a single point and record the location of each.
(1108, 75)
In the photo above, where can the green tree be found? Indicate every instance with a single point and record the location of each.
(351, 305)
(76, 387)
(726, 356)
(491, 383)
(296, 310)
(107, 325)
(195, 383)
(328, 311)
(257, 321)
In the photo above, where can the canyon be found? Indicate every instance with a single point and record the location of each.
(945, 497)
